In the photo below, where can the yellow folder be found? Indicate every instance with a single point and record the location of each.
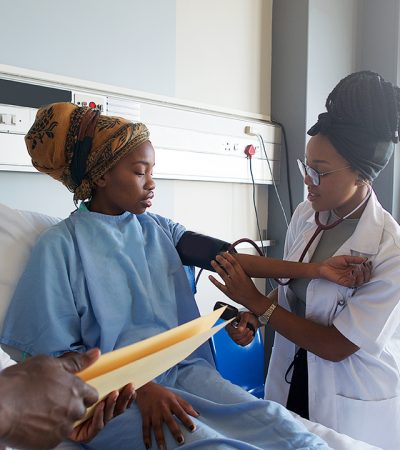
(143, 361)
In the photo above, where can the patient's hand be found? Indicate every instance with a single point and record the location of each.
(158, 405)
(350, 271)
(241, 334)
(113, 405)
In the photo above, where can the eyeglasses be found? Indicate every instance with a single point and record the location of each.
(313, 174)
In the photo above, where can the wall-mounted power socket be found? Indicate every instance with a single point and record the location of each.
(16, 119)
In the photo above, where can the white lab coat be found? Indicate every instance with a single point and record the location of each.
(359, 396)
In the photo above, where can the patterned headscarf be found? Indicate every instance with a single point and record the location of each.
(77, 146)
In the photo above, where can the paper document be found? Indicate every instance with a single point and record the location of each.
(143, 361)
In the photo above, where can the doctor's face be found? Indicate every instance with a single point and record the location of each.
(128, 186)
(340, 190)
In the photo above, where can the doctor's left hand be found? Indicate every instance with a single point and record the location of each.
(350, 271)
(113, 405)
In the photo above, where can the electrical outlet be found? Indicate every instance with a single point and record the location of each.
(228, 146)
(16, 119)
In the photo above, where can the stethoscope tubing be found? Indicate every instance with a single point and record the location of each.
(320, 227)
(323, 227)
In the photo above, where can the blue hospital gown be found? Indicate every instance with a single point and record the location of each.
(95, 280)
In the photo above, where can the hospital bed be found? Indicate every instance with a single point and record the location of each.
(18, 233)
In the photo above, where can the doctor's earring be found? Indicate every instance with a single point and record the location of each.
(361, 180)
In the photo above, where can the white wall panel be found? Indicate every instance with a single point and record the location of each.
(192, 143)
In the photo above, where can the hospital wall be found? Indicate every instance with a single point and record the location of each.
(223, 53)
(165, 47)
(127, 43)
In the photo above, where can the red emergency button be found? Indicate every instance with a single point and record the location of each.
(92, 105)
(250, 150)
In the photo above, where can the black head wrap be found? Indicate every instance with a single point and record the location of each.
(362, 121)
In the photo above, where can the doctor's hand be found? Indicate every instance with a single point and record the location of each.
(41, 399)
(350, 271)
(238, 285)
(114, 404)
(241, 334)
(157, 405)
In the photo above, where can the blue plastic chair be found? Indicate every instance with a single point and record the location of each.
(243, 366)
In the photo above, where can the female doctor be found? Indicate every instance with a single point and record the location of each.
(336, 355)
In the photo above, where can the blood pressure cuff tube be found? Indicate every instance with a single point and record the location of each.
(198, 250)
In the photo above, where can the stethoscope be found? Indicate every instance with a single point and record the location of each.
(324, 227)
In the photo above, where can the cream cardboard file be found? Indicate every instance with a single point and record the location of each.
(141, 362)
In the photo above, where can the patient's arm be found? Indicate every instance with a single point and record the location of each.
(198, 250)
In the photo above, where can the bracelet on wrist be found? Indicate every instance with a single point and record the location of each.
(264, 318)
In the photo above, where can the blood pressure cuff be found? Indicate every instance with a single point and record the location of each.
(198, 250)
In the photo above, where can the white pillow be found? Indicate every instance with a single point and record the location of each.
(19, 231)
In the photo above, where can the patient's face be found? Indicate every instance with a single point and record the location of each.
(128, 186)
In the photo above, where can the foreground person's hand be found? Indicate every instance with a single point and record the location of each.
(41, 399)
